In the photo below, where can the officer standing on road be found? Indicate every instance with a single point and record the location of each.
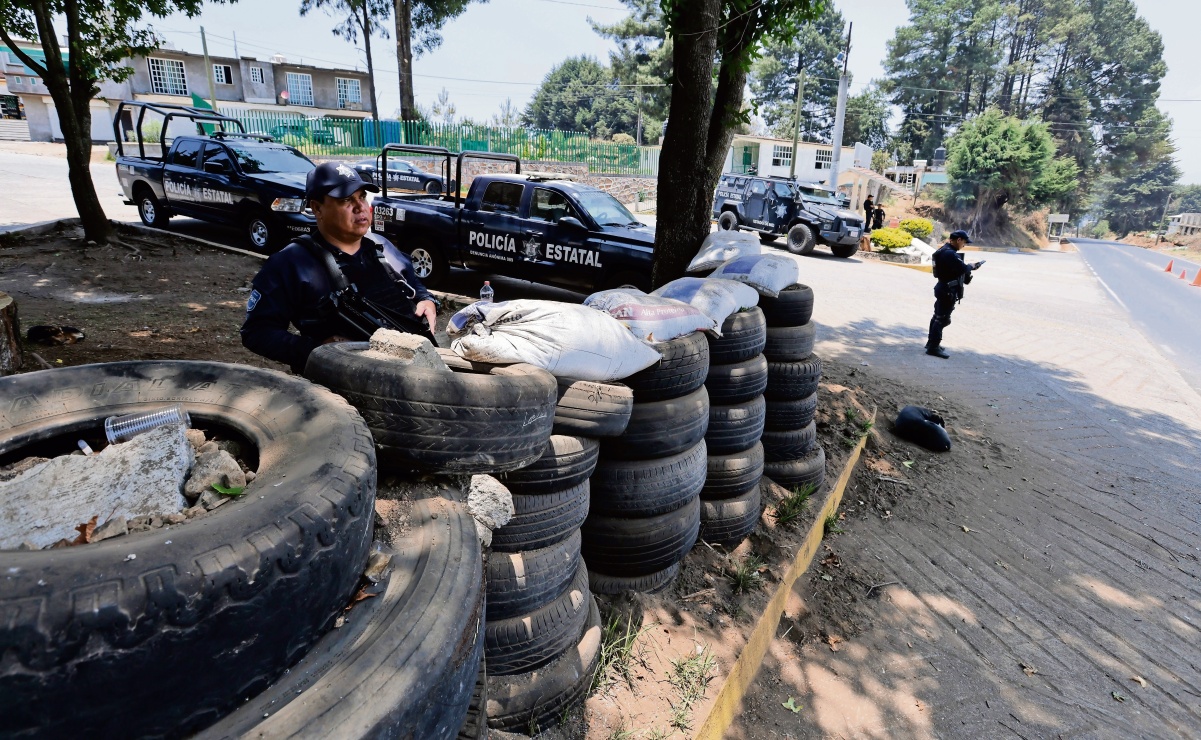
(952, 274)
(294, 286)
(869, 209)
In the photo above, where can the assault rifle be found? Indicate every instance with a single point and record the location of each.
(366, 315)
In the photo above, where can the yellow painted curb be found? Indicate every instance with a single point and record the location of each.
(729, 697)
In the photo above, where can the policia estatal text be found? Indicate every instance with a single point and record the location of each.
(296, 286)
(952, 274)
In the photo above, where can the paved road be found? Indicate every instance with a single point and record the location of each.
(1089, 572)
(1166, 308)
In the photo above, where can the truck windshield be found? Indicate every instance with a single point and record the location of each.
(605, 209)
(817, 195)
(266, 159)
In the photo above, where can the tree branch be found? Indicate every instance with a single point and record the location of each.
(27, 60)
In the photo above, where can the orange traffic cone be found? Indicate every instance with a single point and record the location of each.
(1182, 277)
(1169, 267)
(1197, 280)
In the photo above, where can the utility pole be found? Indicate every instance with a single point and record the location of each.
(1163, 221)
(841, 115)
(639, 136)
(796, 124)
(204, 44)
(236, 55)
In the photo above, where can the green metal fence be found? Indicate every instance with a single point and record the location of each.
(329, 136)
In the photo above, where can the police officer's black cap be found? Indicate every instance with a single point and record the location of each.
(961, 235)
(337, 179)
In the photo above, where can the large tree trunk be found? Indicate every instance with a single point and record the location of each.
(71, 97)
(682, 205)
(367, 31)
(404, 57)
(10, 336)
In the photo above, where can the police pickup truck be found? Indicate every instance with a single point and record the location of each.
(220, 175)
(776, 206)
(537, 227)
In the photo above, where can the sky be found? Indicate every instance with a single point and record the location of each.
(503, 49)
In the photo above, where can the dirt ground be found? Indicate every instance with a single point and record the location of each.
(665, 653)
(169, 300)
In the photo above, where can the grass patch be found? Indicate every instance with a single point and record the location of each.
(690, 677)
(745, 577)
(831, 524)
(790, 508)
(617, 650)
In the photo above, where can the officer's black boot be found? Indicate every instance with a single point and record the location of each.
(934, 342)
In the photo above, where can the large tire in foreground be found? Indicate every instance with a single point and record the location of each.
(649, 584)
(589, 409)
(792, 381)
(789, 343)
(484, 419)
(542, 697)
(541, 521)
(737, 382)
(783, 415)
(732, 475)
(661, 428)
(682, 370)
(789, 444)
(638, 547)
(736, 427)
(287, 554)
(405, 663)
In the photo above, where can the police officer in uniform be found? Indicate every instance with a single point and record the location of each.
(294, 286)
(952, 274)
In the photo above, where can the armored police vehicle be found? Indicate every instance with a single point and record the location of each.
(221, 174)
(402, 175)
(540, 227)
(777, 206)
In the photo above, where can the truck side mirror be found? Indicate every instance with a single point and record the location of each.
(571, 221)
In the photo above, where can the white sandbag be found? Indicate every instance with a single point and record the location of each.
(714, 297)
(651, 318)
(564, 339)
(766, 273)
(723, 246)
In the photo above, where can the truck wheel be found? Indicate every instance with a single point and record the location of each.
(801, 239)
(429, 263)
(727, 221)
(432, 187)
(150, 210)
(260, 232)
(844, 250)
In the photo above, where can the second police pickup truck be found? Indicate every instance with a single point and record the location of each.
(776, 206)
(536, 227)
(227, 177)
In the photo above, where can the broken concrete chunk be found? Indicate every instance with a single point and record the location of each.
(196, 437)
(208, 448)
(213, 467)
(490, 502)
(141, 477)
(210, 500)
(175, 517)
(195, 512)
(114, 527)
(12, 471)
(251, 475)
(405, 349)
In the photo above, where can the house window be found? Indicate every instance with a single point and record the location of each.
(781, 155)
(300, 88)
(223, 74)
(167, 77)
(18, 81)
(256, 75)
(349, 91)
(825, 157)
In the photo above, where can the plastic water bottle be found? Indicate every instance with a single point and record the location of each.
(486, 293)
(122, 428)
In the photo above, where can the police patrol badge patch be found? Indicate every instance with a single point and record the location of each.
(252, 301)
(345, 171)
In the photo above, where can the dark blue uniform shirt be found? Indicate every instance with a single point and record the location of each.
(293, 287)
(949, 264)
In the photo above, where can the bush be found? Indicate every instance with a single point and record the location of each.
(623, 139)
(918, 227)
(888, 239)
(152, 132)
